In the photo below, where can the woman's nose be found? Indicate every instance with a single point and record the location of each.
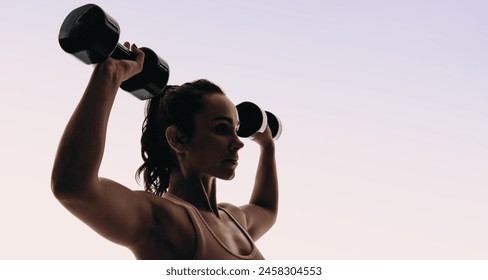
(237, 144)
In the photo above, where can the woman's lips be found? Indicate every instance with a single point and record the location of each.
(232, 160)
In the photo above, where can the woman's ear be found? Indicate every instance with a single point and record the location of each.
(176, 139)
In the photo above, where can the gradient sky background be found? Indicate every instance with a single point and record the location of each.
(384, 153)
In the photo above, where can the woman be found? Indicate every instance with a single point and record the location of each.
(189, 140)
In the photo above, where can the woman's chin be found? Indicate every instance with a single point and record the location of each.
(227, 177)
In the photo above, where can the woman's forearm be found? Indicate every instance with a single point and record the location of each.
(265, 192)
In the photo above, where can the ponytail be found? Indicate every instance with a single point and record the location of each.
(155, 150)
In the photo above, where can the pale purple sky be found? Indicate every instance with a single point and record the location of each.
(384, 152)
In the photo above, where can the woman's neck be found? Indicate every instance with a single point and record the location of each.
(198, 190)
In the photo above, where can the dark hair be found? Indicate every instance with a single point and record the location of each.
(177, 105)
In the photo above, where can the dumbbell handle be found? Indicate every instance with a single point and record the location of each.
(121, 52)
(152, 63)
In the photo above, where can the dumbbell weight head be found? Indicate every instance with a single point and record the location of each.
(254, 120)
(275, 125)
(153, 78)
(92, 35)
(89, 34)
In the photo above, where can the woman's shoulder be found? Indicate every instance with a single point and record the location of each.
(167, 218)
(166, 213)
(234, 211)
(160, 203)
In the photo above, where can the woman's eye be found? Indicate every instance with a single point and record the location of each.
(222, 129)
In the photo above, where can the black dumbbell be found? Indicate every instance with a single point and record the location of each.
(254, 120)
(92, 36)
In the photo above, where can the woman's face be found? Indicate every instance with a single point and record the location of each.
(213, 148)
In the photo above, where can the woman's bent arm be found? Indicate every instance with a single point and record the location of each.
(109, 208)
(262, 210)
(82, 145)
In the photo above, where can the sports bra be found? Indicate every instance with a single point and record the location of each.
(209, 246)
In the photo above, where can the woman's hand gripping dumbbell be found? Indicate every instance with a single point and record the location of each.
(92, 36)
(254, 120)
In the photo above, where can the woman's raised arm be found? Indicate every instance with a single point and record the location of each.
(111, 209)
(262, 210)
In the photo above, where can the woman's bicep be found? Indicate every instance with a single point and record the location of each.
(258, 220)
(117, 213)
